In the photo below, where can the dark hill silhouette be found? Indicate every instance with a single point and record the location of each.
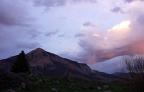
(46, 63)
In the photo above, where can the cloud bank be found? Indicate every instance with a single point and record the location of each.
(27, 24)
(125, 38)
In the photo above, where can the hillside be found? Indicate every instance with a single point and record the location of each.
(52, 65)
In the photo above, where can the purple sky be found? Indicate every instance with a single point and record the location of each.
(88, 31)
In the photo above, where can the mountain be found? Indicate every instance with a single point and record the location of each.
(43, 62)
(52, 65)
(110, 66)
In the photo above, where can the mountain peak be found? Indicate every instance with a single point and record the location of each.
(38, 50)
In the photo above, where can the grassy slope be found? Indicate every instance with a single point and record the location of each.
(64, 85)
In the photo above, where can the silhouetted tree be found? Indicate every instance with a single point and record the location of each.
(135, 68)
(21, 65)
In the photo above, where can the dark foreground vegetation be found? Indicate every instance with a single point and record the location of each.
(29, 83)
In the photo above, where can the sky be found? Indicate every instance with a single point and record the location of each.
(95, 32)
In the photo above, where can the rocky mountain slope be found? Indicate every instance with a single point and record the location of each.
(46, 63)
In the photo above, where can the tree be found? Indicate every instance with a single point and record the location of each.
(21, 65)
(135, 68)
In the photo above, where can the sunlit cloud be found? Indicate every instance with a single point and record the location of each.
(114, 42)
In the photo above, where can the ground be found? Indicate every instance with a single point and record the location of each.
(39, 84)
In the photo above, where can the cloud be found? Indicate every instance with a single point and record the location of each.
(26, 45)
(129, 1)
(50, 3)
(18, 28)
(125, 38)
(61, 35)
(19, 14)
(13, 40)
(117, 10)
(79, 35)
(101, 49)
(89, 24)
(54, 3)
(52, 33)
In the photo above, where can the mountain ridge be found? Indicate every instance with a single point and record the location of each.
(46, 63)
(54, 63)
